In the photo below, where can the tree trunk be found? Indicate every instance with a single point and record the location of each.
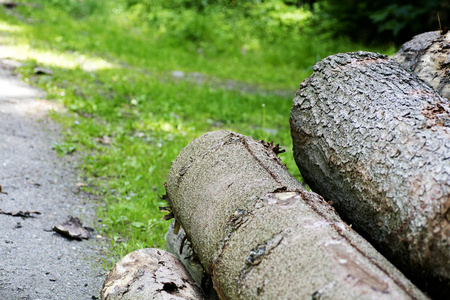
(428, 56)
(149, 274)
(375, 140)
(261, 235)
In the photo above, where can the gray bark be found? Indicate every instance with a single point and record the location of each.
(261, 235)
(149, 274)
(375, 140)
(181, 248)
(428, 56)
(179, 245)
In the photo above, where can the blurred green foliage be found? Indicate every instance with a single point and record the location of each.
(366, 21)
(221, 26)
(77, 8)
(381, 20)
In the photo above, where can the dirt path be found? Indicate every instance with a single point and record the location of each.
(35, 262)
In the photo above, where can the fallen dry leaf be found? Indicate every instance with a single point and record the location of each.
(72, 228)
(105, 140)
(9, 4)
(21, 213)
(42, 71)
(1, 191)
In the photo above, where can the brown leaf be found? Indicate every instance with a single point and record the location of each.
(42, 71)
(21, 213)
(270, 146)
(9, 4)
(105, 140)
(176, 228)
(168, 216)
(72, 228)
(1, 191)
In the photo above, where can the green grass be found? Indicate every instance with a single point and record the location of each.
(126, 115)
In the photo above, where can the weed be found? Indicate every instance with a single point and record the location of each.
(64, 148)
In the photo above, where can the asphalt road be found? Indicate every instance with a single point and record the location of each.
(35, 262)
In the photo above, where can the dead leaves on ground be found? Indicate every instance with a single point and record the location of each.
(1, 191)
(21, 213)
(72, 228)
(105, 140)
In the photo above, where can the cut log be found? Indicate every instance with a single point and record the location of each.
(261, 235)
(428, 56)
(375, 140)
(149, 274)
(181, 248)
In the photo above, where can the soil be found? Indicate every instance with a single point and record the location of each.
(37, 262)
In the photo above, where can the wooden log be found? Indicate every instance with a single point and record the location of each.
(428, 56)
(261, 235)
(375, 140)
(149, 274)
(179, 245)
(181, 248)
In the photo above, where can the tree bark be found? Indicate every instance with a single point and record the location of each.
(428, 56)
(149, 274)
(375, 140)
(181, 248)
(261, 235)
(179, 245)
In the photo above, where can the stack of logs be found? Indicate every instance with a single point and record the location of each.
(371, 136)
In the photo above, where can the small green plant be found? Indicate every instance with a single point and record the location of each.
(64, 148)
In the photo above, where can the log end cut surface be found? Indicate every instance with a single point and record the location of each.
(149, 274)
(428, 56)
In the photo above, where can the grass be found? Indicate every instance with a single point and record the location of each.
(127, 115)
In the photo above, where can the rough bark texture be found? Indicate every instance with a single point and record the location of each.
(261, 235)
(149, 274)
(179, 245)
(181, 248)
(428, 56)
(375, 140)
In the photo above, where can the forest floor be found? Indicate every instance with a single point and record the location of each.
(38, 190)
